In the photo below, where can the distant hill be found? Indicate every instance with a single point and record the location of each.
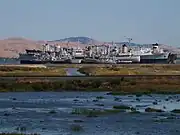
(82, 40)
(11, 47)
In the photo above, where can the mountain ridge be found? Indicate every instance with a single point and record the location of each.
(87, 40)
(81, 39)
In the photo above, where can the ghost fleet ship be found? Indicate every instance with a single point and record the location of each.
(96, 54)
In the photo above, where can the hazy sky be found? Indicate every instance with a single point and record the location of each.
(146, 21)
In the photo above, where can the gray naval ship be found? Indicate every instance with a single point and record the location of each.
(96, 54)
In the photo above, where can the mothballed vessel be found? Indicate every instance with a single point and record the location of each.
(155, 55)
(96, 54)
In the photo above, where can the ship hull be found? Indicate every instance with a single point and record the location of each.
(131, 59)
(154, 61)
(33, 62)
(44, 62)
(68, 61)
(142, 61)
(62, 62)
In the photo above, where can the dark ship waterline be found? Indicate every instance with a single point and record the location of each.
(97, 54)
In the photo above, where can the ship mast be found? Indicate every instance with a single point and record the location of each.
(129, 40)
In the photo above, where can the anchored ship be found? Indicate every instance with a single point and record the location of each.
(155, 55)
(126, 56)
(111, 54)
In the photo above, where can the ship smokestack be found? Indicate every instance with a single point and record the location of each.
(124, 49)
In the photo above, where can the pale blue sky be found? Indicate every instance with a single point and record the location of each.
(146, 21)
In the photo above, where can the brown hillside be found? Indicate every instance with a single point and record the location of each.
(11, 47)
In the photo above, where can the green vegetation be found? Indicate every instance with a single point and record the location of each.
(117, 86)
(76, 128)
(125, 107)
(9, 68)
(99, 97)
(138, 69)
(93, 69)
(153, 110)
(93, 112)
(16, 71)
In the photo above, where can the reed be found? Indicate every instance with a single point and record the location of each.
(76, 128)
(17, 71)
(132, 70)
(138, 86)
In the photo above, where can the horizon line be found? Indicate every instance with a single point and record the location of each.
(58, 40)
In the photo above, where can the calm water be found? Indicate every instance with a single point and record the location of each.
(73, 72)
(9, 61)
(31, 110)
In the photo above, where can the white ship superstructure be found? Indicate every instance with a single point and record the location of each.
(152, 55)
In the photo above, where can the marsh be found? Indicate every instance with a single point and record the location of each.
(50, 113)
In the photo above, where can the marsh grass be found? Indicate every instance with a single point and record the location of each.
(100, 97)
(21, 68)
(76, 128)
(16, 71)
(118, 86)
(153, 110)
(21, 129)
(139, 69)
(123, 107)
(93, 112)
(160, 120)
